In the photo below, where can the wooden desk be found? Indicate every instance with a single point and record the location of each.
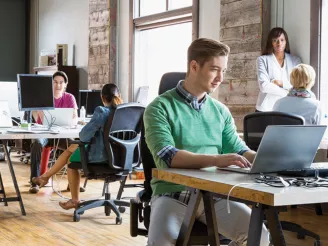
(6, 136)
(210, 181)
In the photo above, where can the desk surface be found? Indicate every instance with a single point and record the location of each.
(221, 182)
(63, 133)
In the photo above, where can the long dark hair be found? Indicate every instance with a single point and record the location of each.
(111, 94)
(275, 33)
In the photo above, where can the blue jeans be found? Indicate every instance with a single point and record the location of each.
(36, 151)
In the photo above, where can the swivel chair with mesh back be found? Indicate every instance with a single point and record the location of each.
(140, 208)
(254, 127)
(121, 136)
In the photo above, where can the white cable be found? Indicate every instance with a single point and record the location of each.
(5, 113)
(236, 185)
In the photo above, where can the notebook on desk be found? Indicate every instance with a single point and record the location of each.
(285, 147)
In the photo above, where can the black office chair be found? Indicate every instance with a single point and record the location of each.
(140, 208)
(121, 136)
(254, 127)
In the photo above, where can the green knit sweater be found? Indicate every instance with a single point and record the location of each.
(169, 120)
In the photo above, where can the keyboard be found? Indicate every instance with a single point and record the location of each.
(305, 172)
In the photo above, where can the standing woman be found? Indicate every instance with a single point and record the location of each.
(273, 69)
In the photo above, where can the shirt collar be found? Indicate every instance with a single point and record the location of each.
(189, 98)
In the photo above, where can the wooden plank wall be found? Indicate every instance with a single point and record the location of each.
(244, 25)
(102, 43)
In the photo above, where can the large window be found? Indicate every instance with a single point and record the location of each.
(324, 56)
(162, 32)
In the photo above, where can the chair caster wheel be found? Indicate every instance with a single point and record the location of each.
(76, 217)
(121, 209)
(118, 220)
(21, 159)
(26, 162)
(300, 236)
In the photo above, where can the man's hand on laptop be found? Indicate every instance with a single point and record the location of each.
(226, 160)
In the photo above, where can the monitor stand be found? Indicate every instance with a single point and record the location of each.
(28, 116)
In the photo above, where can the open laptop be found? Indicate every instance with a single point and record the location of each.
(60, 117)
(285, 147)
(5, 116)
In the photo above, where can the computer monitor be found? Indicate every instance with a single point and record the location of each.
(35, 92)
(90, 99)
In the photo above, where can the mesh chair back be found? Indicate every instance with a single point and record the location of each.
(256, 123)
(124, 123)
(127, 116)
(169, 81)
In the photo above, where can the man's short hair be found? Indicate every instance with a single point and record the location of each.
(203, 49)
(62, 74)
(302, 76)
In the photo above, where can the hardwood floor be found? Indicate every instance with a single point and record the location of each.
(47, 224)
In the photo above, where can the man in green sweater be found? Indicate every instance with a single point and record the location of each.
(186, 128)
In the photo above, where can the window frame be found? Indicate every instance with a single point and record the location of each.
(167, 18)
(315, 43)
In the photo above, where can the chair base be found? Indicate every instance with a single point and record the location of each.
(109, 204)
(301, 232)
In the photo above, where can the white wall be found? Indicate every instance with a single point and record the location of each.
(209, 19)
(66, 22)
(294, 17)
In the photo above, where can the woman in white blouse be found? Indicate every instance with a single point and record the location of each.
(274, 68)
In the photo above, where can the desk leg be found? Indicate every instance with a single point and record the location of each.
(13, 176)
(212, 227)
(189, 218)
(275, 227)
(2, 191)
(255, 225)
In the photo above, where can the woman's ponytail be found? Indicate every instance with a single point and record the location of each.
(117, 100)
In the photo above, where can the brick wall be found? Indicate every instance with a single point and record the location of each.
(244, 27)
(102, 43)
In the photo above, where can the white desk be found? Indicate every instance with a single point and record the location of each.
(211, 182)
(6, 136)
(63, 133)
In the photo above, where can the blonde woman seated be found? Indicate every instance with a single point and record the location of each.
(300, 99)
(110, 96)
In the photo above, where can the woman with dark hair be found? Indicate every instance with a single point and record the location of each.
(273, 69)
(93, 130)
(111, 97)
